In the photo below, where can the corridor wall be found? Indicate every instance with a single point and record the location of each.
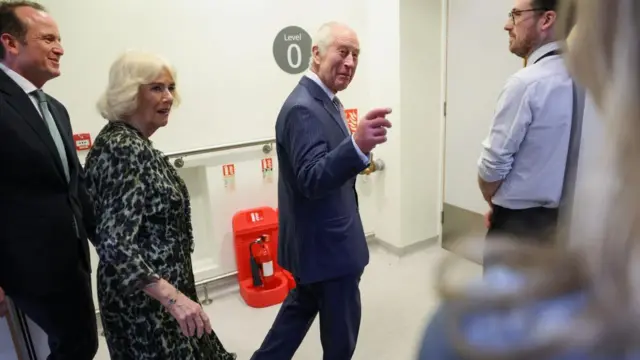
(231, 86)
(232, 89)
(478, 65)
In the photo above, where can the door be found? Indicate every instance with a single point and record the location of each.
(477, 66)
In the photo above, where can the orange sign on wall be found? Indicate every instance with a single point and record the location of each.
(228, 170)
(267, 164)
(229, 176)
(352, 119)
(267, 169)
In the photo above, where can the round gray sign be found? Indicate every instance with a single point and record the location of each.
(292, 49)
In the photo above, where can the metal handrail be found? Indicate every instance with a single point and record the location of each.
(267, 147)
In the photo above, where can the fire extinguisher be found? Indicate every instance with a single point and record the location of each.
(261, 262)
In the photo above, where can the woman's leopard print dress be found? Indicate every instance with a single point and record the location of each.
(144, 228)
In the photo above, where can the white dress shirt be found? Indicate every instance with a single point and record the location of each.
(24, 84)
(313, 76)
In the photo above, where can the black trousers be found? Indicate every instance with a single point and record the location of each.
(67, 315)
(338, 303)
(534, 225)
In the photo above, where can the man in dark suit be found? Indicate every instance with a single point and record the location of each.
(45, 213)
(321, 239)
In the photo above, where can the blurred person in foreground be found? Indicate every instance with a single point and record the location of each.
(579, 299)
(45, 213)
(146, 287)
(321, 239)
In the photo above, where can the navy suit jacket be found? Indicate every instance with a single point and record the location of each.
(39, 247)
(320, 234)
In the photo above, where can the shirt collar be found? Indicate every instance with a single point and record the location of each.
(24, 84)
(536, 55)
(313, 76)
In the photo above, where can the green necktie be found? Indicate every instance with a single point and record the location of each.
(53, 129)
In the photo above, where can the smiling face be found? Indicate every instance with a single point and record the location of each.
(337, 64)
(37, 56)
(154, 103)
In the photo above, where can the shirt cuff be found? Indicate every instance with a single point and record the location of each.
(488, 174)
(363, 157)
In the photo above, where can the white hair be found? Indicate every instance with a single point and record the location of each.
(131, 70)
(325, 36)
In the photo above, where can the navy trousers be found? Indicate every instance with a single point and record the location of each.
(535, 226)
(338, 303)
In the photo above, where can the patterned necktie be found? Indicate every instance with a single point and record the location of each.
(340, 108)
(53, 129)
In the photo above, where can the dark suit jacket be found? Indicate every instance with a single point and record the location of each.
(39, 247)
(321, 235)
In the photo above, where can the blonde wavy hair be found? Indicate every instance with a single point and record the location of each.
(127, 74)
(602, 260)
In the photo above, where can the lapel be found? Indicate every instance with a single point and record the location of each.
(320, 95)
(22, 104)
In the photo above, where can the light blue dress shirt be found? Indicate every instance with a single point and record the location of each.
(528, 142)
(313, 76)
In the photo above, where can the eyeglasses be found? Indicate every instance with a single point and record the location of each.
(513, 13)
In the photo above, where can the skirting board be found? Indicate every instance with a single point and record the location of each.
(225, 285)
(401, 251)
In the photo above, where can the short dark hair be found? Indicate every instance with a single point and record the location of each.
(548, 5)
(11, 24)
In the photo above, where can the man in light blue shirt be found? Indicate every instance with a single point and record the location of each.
(522, 165)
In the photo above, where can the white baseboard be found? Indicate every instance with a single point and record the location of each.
(228, 285)
(401, 251)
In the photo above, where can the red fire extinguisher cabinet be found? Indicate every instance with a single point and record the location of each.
(249, 225)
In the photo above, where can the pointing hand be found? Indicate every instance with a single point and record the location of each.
(372, 129)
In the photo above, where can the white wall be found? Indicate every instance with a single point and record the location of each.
(421, 68)
(405, 63)
(232, 90)
(478, 65)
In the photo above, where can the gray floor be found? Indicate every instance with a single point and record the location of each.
(397, 299)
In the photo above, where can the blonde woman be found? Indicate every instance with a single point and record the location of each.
(146, 289)
(579, 300)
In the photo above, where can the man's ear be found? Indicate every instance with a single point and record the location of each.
(9, 43)
(549, 19)
(315, 53)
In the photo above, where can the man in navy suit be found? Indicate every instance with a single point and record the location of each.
(321, 240)
(46, 216)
